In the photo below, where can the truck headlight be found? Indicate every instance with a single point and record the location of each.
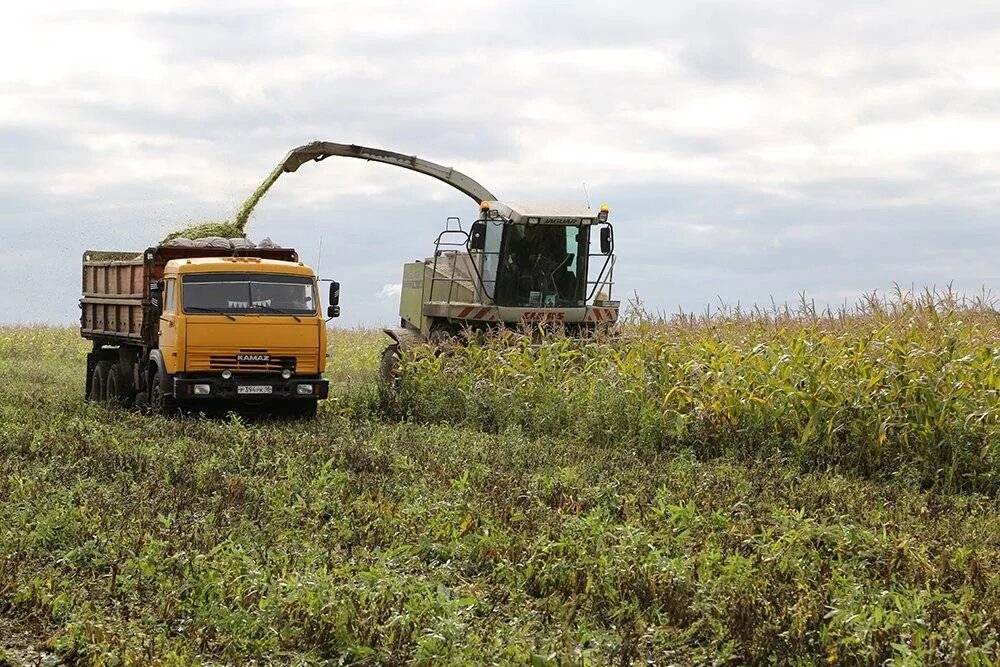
(226, 374)
(304, 390)
(202, 389)
(286, 373)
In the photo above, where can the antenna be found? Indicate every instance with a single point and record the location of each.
(319, 256)
(586, 193)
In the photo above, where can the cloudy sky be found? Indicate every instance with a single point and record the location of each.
(748, 150)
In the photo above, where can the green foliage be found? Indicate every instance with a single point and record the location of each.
(910, 394)
(542, 518)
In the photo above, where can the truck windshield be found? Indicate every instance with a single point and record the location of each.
(543, 266)
(242, 293)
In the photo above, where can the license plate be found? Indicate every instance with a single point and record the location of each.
(254, 389)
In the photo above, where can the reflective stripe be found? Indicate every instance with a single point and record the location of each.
(482, 313)
(465, 311)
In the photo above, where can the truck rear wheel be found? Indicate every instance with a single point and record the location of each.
(99, 381)
(119, 385)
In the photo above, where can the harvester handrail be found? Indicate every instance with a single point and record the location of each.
(452, 247)
(318, 151)
(601, 281)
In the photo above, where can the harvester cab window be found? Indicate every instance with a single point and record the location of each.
(491, 255)
(543, 266)
(263, 294)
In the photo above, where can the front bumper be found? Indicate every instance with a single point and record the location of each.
(220, 389)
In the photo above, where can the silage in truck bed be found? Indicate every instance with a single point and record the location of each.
(226, 230)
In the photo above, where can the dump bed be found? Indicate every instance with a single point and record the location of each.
(116, 307)
(114, 291)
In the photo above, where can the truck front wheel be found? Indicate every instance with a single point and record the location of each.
(162, 402)
(304, 409)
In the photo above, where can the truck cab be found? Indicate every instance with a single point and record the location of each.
(234, 327)
(239, 330)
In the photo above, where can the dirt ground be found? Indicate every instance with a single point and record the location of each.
(23, 645)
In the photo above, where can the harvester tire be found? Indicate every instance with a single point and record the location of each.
(161, 402)
(99, 381)
(442, 334)
(388, 378)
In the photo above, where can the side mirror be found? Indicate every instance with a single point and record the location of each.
(477, 236)
(333, 310)
(156, 295)
(605, 240)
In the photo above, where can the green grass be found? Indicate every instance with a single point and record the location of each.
(516, 518)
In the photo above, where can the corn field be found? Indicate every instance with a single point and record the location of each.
(784, 487)
(906, 390)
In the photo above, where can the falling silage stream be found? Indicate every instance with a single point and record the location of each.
(225, 229)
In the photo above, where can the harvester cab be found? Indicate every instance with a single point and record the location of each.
(517, 263)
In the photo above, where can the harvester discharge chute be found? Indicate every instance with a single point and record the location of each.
(318, 151)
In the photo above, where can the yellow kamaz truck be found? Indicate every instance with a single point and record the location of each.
(184, 328)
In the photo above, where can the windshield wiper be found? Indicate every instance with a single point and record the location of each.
(202, 309)
(278, 310)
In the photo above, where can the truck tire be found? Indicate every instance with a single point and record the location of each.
(99, 381)
(161, 402)
(303, 409)
(119, 385)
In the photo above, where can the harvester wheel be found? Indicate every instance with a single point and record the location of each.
(99, 381)
(161, 402)
(442, 334)
(388, 377)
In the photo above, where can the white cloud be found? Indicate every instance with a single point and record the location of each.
(390, 291)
